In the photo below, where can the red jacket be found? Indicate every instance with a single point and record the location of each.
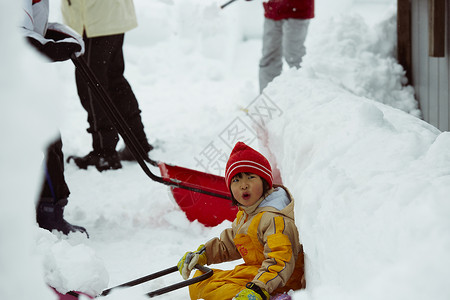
(289, 9)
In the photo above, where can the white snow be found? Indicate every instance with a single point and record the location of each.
(370, 179)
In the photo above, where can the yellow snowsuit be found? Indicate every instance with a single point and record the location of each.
(267, 239)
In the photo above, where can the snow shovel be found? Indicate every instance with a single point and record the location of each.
(202, 196)
(207, 272)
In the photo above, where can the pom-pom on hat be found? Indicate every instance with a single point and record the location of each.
(244, 159)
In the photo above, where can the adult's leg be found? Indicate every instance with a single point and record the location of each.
(123, 96)
(99, 52)
(270, 64)
(294, 36)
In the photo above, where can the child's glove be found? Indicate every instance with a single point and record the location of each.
(190, 259)
(252, 292)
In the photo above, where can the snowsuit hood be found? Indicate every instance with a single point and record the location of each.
(278, 200)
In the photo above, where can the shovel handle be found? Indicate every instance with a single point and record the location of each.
(207, 272)
(124, 130)
(226, 4)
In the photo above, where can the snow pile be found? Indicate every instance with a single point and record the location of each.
(360, 58)
(192, 31)
(69, 264)
(371, 185)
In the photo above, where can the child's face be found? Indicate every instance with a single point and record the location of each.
(247, 188)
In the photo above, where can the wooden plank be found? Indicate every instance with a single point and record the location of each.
(448, 61)
(423, 59)
(430, 83)
(444, 79)
(420, 54)
(433, 91)
(436, 28)
(404, 52)
(444, 105)
(447, 57)
(415, 73)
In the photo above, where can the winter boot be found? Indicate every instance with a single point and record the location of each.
(102, 161)
(49, 215)
(108, 160)
(126, 155)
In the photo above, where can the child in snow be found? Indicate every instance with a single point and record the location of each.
(264, 234)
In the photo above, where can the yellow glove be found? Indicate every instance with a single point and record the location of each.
(190, 259)
(252, 292)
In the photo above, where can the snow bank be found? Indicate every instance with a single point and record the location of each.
(361, 58)
(69, 264)
(371, 185)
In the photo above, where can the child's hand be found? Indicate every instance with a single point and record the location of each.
(252, 292)
(190, 259)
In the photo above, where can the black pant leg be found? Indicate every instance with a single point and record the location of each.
(98, 55)
(123, 95)
(54, 186)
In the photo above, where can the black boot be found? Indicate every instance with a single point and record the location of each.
(49, 215)
(126, 155)
(102, 161)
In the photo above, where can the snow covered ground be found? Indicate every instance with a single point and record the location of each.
(370, 179)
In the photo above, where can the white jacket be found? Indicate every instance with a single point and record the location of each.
(99, 17)
(35, 25)
(36, 16)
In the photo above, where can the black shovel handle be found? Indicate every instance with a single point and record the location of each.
(122, 127)
(207, 272)
(226, 4)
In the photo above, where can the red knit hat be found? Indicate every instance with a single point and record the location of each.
(245, 159)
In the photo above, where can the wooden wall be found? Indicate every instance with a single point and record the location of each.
(430, 62)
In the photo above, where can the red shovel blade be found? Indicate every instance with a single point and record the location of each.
(208, 210)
